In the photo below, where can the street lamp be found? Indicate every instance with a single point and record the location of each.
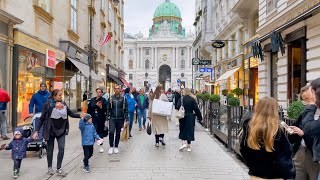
(90, 53)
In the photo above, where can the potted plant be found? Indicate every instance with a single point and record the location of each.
(238, 91)
(233, 101)
(214, 98)
(230, 95)
(199, 96)
(225, 92)
(206, 96)
(295, 108)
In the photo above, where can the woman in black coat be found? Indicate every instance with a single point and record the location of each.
(97, 108)
(187, 124)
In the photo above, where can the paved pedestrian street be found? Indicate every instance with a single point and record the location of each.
(138, 159)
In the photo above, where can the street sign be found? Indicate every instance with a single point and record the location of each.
(218, 44)
(197, 61)
(205, 70)
(178, 80)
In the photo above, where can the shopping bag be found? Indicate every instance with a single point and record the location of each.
(149, 130)
(161, 108)
(180, 113)
(125, 134)
(84, 106)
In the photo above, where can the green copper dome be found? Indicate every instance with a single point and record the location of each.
(167, 9)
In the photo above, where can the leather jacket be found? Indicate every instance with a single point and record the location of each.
(118, 107)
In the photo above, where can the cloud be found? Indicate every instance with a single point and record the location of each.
(138, 14)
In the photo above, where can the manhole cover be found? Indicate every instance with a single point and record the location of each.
(116, 160)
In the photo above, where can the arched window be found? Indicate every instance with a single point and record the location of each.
(147, 64)
(130, 64)
(182, 64)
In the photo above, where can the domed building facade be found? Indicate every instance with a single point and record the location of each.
(162, 58)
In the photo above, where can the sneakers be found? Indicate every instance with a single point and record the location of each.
(101, 149)
(116, 150)
(140, 129)
(189, 149)
(60, 172)
(144, 126)
(182, 147)
(50, 171)
(15, 174)
(5, 138)
(157, 145)
(110, 151)
(162, 142)
(86, 169)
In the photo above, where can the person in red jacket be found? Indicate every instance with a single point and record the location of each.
(4, 99)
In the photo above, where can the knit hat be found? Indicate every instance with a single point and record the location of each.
(16, 133)
(43, 84)
(87, 117)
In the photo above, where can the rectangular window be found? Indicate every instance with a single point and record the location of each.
(131, 52)
(45, 5)
(74, 15)
(147, 52)
(271, 5)
(103, 4)
(130, 76)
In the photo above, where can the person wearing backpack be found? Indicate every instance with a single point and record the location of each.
(131, 107)
(143, 104)
(170, 95)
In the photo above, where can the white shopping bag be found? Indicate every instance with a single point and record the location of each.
(161, 108)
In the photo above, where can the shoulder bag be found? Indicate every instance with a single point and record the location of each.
(180, 114)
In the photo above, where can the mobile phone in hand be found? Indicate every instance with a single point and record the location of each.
(288, 129)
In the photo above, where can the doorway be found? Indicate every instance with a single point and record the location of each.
(165, 76)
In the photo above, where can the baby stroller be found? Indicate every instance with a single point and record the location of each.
(27, 131)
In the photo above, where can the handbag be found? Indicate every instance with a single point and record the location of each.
(180, 114)
(149, 130)
(161, 108)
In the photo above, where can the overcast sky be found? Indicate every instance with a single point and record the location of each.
(138, 14)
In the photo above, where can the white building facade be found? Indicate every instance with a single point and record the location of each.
(163, 58)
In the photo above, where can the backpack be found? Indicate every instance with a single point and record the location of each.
(170, 97)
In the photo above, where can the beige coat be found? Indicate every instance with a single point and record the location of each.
(159, 123)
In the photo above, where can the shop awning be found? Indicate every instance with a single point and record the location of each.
(125, 82)
(227, 74)
(84, 69)
(116, 79)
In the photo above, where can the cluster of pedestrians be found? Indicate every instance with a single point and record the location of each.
(270, 154)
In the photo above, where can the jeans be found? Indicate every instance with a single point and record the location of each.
(88, 152)
(306, 168)
(50, 146)
(130, 119)
(158, 136)
(16, 164)
(3, 123)
(142, 114)
(115, 126)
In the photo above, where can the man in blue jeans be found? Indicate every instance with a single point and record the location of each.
(4, 100)
(143, 104)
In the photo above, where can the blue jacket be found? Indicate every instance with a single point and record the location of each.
(19, 147)
(131, 103)
(88, 133)
(38, 100)
(145, 104)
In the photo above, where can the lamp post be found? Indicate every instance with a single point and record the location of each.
(90, 53)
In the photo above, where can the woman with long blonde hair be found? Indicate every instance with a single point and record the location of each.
(264, 146)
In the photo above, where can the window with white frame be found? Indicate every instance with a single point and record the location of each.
(103, 4)
(182, 52)
(73, 16)
(182, 64)
(130, 64)
(45, 5)
(130, 76)
(147, 52)
(147, 64)
(271, 5)
(131, 52)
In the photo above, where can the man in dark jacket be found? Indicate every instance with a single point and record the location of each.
(135, 94)
(38, 100)
(177, 97)
(143, 104)
(4, 99)
(118, 113)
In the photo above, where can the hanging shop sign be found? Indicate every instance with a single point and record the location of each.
(197, 61)
(218, 44)
(51, 59)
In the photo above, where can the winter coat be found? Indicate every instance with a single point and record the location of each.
(177, 97)
(19, 147)
(159, 123)
(131, 103)
(187, 124)
(118, 108)
(268, 165)
(99, 115)
(88, 133)
(38, 100)
(4, 99)
(145, 104)
(46, 118)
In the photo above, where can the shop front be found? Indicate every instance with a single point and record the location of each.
(77, 74)
(113, 78)
(34, 62)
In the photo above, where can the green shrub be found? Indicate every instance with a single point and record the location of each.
(224, 92)
(238, 91)
(206, 96)
(234, 101)
(295, 108)
(214, 98)
(199, 96)
(230, 95)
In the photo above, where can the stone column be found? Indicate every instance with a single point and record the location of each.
(177, 57)
(187, 61)
(230, 45)
(156, 58)
(238, 42)
(140, 60)
(152, 58)
(136, 61)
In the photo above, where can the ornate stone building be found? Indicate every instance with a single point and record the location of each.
(164, 57)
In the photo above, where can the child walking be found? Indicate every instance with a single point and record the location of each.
(19, 148)
(88, 135)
